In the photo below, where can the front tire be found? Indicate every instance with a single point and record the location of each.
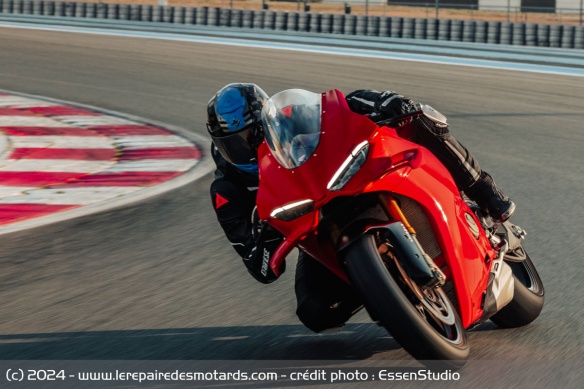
(528, 295)
(424, 323)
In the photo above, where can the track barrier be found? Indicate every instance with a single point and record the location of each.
(477, 31)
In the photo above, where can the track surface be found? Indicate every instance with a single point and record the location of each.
(157, 280)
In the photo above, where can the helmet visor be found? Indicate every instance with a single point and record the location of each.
(239, 148)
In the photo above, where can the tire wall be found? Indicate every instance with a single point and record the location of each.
(518, 33)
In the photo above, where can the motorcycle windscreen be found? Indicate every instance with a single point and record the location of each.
(291, 121)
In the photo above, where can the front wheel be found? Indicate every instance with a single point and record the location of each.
(528, 294)
(424, 323)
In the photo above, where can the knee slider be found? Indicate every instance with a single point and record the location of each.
(318, 316)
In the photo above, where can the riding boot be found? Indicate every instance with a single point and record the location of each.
(490, 198)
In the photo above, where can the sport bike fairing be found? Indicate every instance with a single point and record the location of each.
(392, 165)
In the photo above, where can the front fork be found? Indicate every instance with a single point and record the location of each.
(438, 278)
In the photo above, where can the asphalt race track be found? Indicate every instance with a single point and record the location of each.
(157, 280)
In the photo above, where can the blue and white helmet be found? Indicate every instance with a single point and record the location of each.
(235, 125)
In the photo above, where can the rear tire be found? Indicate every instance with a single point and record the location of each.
(528, 296)
(425, 324)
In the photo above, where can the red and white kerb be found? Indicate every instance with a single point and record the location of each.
(55, 157)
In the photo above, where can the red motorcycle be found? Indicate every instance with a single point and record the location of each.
(383, 214)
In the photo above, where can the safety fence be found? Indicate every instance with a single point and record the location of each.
(495, 32)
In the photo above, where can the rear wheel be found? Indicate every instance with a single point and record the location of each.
(528, 295)
(425, 323)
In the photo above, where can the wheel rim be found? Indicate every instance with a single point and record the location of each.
(433, 305)
(437, 311)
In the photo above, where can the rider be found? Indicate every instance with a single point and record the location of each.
(234, 123)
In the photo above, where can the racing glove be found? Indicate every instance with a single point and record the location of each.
(391, 104)
(266, 241)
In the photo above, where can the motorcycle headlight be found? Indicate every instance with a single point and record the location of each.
(351, 166)
(292, 211)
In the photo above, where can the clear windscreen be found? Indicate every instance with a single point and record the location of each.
(291, 122)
